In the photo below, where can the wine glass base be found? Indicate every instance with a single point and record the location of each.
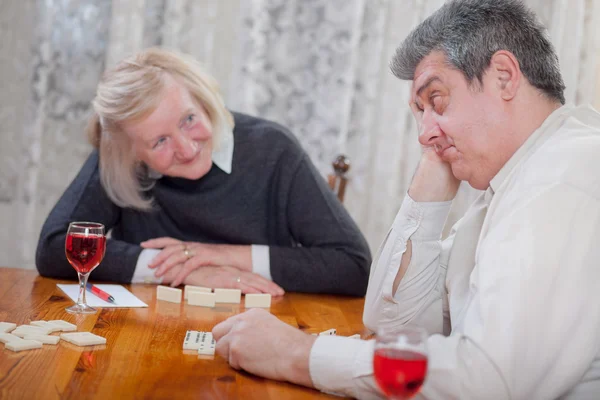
(81, 309)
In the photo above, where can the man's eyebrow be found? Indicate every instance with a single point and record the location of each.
(427, 83)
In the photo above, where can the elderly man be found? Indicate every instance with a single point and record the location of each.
(511, 297)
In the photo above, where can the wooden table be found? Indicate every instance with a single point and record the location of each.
(143, 357)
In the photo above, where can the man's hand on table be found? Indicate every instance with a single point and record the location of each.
(259, 343)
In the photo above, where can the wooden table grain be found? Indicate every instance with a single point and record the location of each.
(143, 357)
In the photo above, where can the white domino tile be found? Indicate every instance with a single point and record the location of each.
(190, 288)
(328, 332)
(8, 337)
(83, 338)
(207, 344)
(23, 330)
(20, 345)
(262, 300)
(208, 350)
(64, 325)
(228, 296)
(192, 340)
(203, 342)
(45, 339)
(46, 325)
(169, 294)
(7, 327)
(202, 299)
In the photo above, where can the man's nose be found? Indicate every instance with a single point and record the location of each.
(430, 130)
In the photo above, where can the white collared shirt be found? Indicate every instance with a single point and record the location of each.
(222, 157)
(512, 304)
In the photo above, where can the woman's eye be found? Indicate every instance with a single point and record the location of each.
(189, 120)
(159, 142)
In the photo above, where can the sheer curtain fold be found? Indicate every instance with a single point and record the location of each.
(378, 134)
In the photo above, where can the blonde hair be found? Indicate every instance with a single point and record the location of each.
(132, 91)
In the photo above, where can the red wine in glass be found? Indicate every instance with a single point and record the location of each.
(399, 373)
(85, 252)
(400, 361)
(84, 246)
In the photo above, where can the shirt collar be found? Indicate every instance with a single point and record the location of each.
(222, 155)
(548, 126)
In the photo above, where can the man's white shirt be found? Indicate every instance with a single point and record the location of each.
(511, 297)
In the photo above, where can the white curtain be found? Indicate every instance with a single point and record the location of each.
(319, 67)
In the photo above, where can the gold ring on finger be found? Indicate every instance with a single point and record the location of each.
(188, 253)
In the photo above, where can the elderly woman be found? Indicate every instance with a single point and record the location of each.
(195, 194)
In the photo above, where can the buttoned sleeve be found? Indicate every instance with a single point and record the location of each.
(343, 365)
(261, 263)
(418, 297)
(143, 273)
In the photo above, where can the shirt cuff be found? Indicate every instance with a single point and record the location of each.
(261, 261)
(336, 361)
(142, 273)
(428, 218)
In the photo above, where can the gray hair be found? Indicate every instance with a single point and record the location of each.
(130, 92)
(469, 32)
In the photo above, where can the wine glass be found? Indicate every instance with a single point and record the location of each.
(84, 246)
(400, 361)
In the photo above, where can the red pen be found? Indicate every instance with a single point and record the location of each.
(100, 293)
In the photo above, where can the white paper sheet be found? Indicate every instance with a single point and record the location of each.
(123, 297)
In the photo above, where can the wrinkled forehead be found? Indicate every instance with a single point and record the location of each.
(433, 67)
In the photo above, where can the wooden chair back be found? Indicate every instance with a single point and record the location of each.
(338, 179)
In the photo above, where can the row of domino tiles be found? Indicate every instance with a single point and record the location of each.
(204, 297)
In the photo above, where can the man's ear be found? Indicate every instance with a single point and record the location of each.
(506, 72)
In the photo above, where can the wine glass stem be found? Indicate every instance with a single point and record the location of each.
(82, 284)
